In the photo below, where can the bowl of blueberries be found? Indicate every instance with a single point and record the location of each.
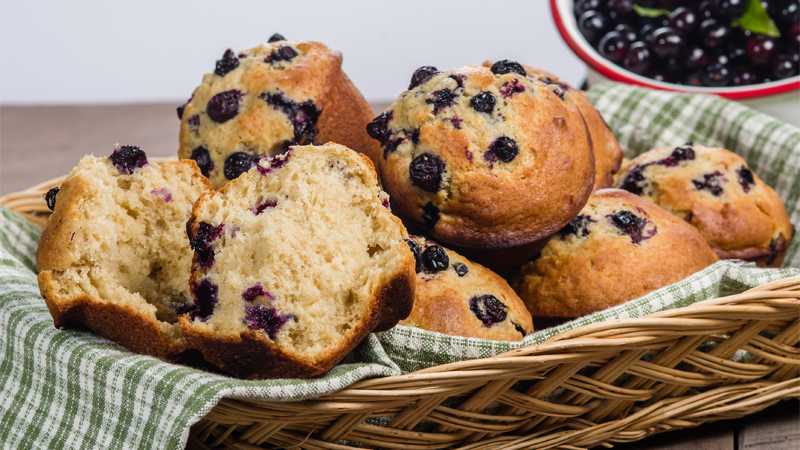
(744, 50)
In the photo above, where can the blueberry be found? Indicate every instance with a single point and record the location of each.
(422, 75)
(50, 198)
(713, 33)
(441, 99)
(510, 88)
(613, 46)
(379, 127)
(579, 226)
(128, 158)
(483, 102)
(711, 182)
(775, 246)
(284, 53)
(228, 62)
(435, 259)
(716, 75)
(744, 76)
(224, 106)
(638, 58)
(461, 269)
(303, 116)
(255, 291)
(238, 163)
(266, 318)
(728, 9)
(683, 20)
(696, 58)
(627, 32)
(581, 6)
(505, 66)
(426, 172)
(417, 254)
(201, 156)
(784, 67)
(488, 309)
(593, 25)
(760, 50)
(276, 37)
(392, 145)
(180, 110)
(193, 122)
(430, 215)
(205, 299)
(682, 153)
(459, 79)
(746, 179)
(503, 148)
(632, 225)
(665, 42)
(202, 240)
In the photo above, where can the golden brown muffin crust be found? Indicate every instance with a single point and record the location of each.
(619, 247)
(714, 190)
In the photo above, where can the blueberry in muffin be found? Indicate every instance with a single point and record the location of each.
(260, 101)
(485, 156)
(459, 297)
(714, 190)
(619, 247)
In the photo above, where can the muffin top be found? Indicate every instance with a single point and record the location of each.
(619, 247)
(714, 190)
(255, 103)
(485, 156)
(607, 151)
(459, 297)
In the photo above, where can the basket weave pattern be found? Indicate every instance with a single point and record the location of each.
(601, 384)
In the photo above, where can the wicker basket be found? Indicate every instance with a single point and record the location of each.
(601, 384)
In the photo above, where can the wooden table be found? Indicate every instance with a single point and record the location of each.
(42, 142)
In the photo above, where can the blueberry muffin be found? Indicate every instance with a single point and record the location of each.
(295, 262)
(260, 101)
(484, 157)
(607, 151)
(457, 296)
(114, 256)
(619, 247)
(714, 190)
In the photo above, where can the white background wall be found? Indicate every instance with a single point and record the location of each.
(57, 51)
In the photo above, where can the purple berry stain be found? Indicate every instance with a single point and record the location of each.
(255, 291)
(441, 99)
(266, 318)
(202, 241)
(162, 193)
(205, 299)
(509, 88)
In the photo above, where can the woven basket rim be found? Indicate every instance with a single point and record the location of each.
(30, 201)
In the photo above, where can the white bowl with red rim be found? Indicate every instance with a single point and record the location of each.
(779, 98)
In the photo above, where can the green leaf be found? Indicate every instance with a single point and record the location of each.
(756, 19)
(649, 12)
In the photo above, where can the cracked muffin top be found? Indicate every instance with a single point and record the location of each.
(714, 190)
(260, 101)
(485, 156)
(619, 247)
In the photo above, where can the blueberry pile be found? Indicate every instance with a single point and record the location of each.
(712, 43)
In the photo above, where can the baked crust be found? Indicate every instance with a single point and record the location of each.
(314, 75)
(744, 223)
(70, 305)
(442, 301)
(607, 151)
(577, 274)
(483, 203)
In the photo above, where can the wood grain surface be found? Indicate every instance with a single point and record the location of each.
(42, 142)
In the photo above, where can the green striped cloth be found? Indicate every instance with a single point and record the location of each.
(70, 389)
